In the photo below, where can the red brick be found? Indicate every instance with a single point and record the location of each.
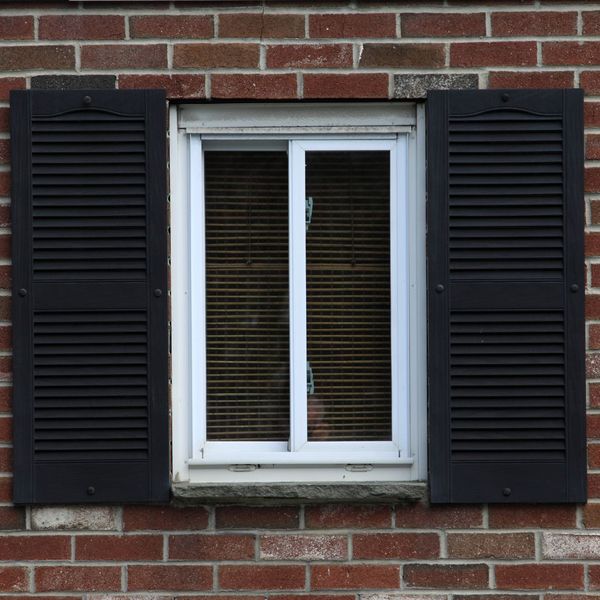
(304, 547)
(592, 306)
(595, 274)
(174, 26)
(593, 426)
(176, 86)
(5, 338)
(590, 82)
(4, 151)
(5, 368)
(395, 545)
(531, 515)
(592, 244)
(4, 316)
(592, 365)
(531, 79)
(263, 26)
(591, 515)
(125, 56)
(359, 577)
(211, 547)
(364, 25)
(81, 27)
(593, 481)
(591, 22)
(459, 577)
(211, 56)
(592, 152)
(14, 579)
(5, 467)
(593, 455)
(497, 597)
(594, 577)
(256, 517)
(6, 489)
(439, 517)
(222, 597)
(4, 246)
(571, 53)
(594, 336)
(595, 205)
(4, 122)
(5, 429)
(11, 518)
(163, 518)
(594, 395)
(34, 547)
(259, 87)
(77, 579)
(491, 545)
(530, 23)
(442, 25)
(403, 55)
(16, 28)
(23, 58)
(309, 55)
(539, 576)
(484, 54)
(591, 111)
(259, 577)
(592, 179)
(363, 85)
(5, 276)
(113, 547)
(168, 577)
(342, 516)
(10, 83)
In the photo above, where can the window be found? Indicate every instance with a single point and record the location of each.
(299, 256)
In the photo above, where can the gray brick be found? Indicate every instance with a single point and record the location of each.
(73, 82)
(416, 86)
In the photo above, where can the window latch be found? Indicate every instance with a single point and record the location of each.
(309, 211)
(310, 380)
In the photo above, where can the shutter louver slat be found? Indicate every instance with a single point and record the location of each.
(90, 248)
(506, 345)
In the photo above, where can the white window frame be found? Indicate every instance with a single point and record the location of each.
(391, 127)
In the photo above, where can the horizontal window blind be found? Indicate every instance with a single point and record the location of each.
(348, 295)
(247, 322)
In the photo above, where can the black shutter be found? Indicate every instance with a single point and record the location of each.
(89, 296)
(506, 292)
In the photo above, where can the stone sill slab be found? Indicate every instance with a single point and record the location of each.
(189, 494)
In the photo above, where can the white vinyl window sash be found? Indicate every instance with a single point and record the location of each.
(299, 450)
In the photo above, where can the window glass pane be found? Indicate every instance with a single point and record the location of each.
(348, 295)
(247, 322)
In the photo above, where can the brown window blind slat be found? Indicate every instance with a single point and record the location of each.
(247, 322)
(348, 295)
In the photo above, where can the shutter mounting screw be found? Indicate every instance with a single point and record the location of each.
(87, 100)
(91, 490)
(506, 492)
(158, 293)
(574, 288)
(505, 97)
(22, 292)
(439, 288)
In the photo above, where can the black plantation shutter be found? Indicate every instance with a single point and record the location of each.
(506, 291)
(89, 296)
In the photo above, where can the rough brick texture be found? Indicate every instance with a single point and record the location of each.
(275, 50)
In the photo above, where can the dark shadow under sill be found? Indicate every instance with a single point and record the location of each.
(368, 492)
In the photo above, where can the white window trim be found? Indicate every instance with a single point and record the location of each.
(404, 457)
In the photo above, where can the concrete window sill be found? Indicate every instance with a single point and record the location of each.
(189, 494)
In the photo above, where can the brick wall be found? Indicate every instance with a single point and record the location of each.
(318, 50)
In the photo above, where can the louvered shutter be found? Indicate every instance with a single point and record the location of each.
(89, 296)
(506, 291)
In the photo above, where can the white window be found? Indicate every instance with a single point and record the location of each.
(298, 303)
